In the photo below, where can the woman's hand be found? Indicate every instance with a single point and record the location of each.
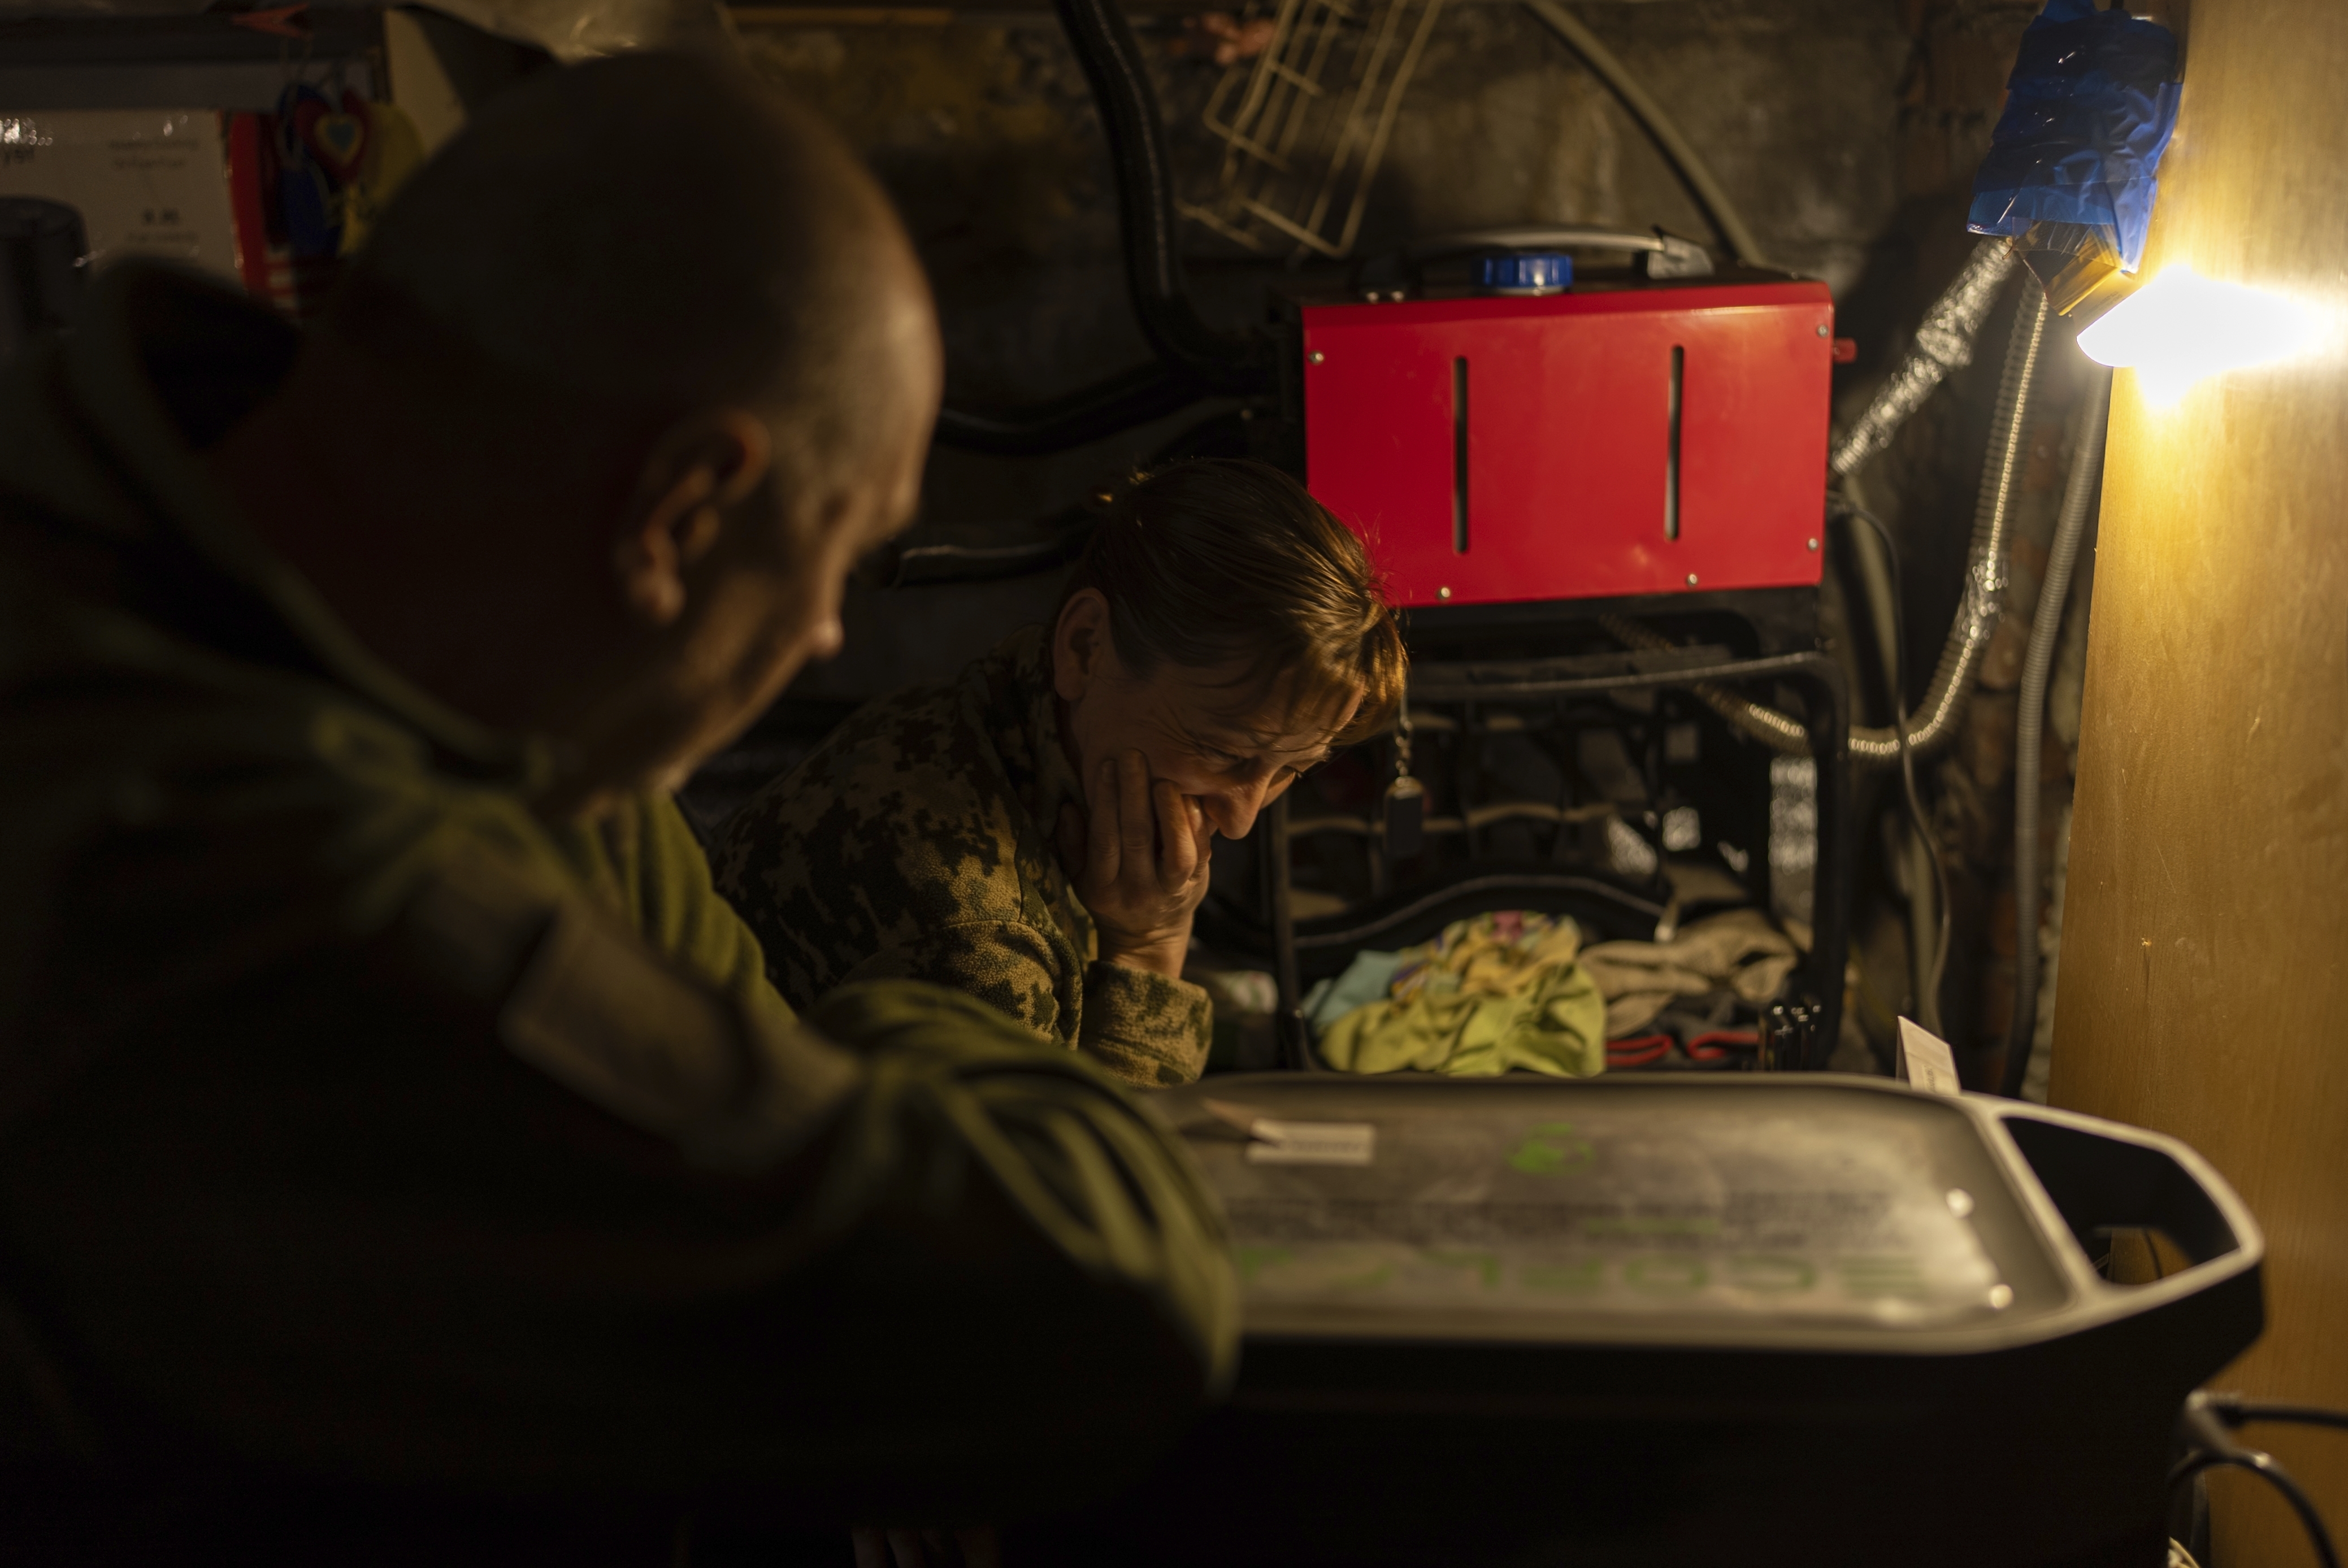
(1139, 858)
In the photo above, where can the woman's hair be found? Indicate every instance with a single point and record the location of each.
(1223, 562)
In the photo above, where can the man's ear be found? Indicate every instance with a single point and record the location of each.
(700, 469)
(1079, 643)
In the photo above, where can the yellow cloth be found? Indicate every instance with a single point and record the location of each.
(1497, 992)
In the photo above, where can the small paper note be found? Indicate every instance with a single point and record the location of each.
(1310, 1142)
(1238, 1118)
(1925, 1059)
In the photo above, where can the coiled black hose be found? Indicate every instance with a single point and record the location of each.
(1194, 360)
(1215, 361)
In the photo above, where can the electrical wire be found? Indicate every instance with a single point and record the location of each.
(1130, 397)
(2207, 1422)
(1883, 618)
(2237, 1411)
(1709, 195)
(1639, 1051)
(1875, 582)
(2079, 493)
(2262, 1464)
(1719, 1044)
(1928, 1005)
(1646, 1050)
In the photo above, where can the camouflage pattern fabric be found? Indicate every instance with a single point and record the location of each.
(918, 843)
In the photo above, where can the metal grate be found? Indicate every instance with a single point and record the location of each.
(1304, 125)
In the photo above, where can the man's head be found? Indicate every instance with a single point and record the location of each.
(638, 366)
(1223, 623)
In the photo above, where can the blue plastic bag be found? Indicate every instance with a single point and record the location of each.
(2090, 107)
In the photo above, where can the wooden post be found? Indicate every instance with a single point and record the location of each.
(2204, 978)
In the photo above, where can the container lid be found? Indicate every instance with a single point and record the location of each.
(1760, 1211)
(1524, 272)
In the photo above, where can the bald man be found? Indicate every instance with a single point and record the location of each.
(402, 1154)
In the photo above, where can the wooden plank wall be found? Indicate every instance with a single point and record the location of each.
(2204, 978)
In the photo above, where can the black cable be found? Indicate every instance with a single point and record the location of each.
(1678, 154)
(2263, 1464)
(1102, 42)
(924, 566)
(2237, 1411)
(1119, 402)
(1929, 1004)
(2294, 1415)
(902, 564)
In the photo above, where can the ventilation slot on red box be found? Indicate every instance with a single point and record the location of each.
(1672, 449)
(1625, 439)
(1459, 456)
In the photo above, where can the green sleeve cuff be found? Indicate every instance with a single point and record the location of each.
(1147, 1028)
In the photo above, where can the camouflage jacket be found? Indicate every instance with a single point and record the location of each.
(918, 843)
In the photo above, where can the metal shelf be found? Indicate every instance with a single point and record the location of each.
(1827, 708)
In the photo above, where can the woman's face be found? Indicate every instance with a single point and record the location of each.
(1221, 743)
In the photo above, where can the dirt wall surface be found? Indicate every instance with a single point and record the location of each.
(2201, 970)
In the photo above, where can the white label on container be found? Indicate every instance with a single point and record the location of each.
(1310, 1142)
(1925, 1059)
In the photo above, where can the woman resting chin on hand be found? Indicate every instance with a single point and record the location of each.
(1039, 833)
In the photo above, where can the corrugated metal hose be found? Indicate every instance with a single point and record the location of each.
(1943, 343)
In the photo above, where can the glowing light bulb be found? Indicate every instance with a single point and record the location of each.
(2182, 326)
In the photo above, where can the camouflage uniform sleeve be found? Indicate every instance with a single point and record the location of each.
(898, 852)
(1146, 1028)
(556, 1209)
(870, 859)
(1008, 963)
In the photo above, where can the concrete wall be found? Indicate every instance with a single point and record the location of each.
(2202, 974)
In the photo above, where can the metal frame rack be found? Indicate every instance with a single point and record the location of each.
(1814, 676)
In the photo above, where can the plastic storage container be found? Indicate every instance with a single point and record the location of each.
(1801, 1319)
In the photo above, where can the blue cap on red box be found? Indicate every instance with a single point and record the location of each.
(1524, 272)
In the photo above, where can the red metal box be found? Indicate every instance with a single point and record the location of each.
(1575, 445)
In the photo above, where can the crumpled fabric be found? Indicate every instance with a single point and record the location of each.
(1366, 980)
(1491, 994)
(2088, 113)
(1740, 952)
